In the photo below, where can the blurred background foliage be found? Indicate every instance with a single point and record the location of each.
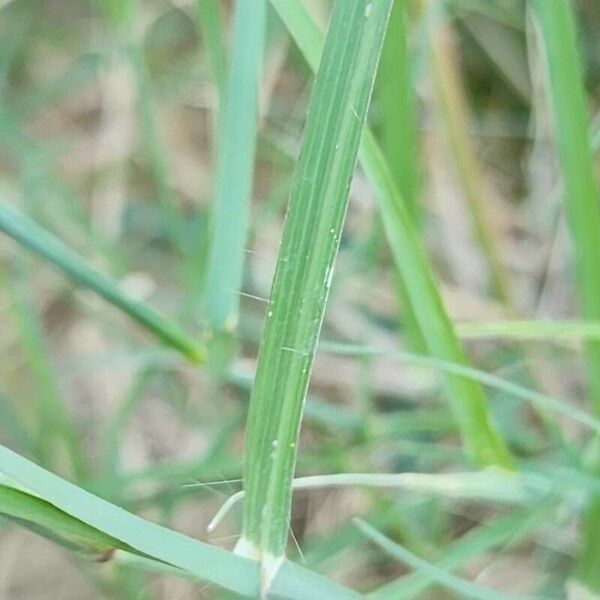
(109, 119)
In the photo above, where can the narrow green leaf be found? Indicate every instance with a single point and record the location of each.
(211, 27)
(309, 246)
(199, 560)
(47, 520)
(56, 437)
(237, 146)
(467, 399)
(400, 139)
(581, 196)
(581, 193)
(501, 532)
(40, 241)
(462, 587)
(454, 108)
(539, 330)
(476, 376)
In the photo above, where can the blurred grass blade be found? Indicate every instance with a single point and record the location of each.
(581, 193)
(569, 106)
(500, 533)
(56, 438)
(457, 585)
(211, 28)
(237, 146)
(12, 427)
(484, 486)
(539, 330)
(52, 523)
(75, 511)
(466, 397)
(400, 139)
(28, 233)
(454, 109)
(313, 228)
(543, 401)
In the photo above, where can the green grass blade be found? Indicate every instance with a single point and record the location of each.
(581, 193)
(12, 427)
(211, 28)
(237, 146)
(400, 139)
(310, 242)
(466, 398)
(40, 241)
(581, 196)
(542, 330)
(487, 486)
(461, 587)
(454, 109)
(199, 560)
(482, 378)
(56, 437)
(497, 534)
(54, 524)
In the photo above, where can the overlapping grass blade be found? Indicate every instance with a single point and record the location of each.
(581, 192)
(43, 518)
(543, 401)
(196, 559)
(484, 486)
(310, 242)
(56, 437)
(501, 532)
(211, 26)
(237, 146)
(581, 195)
(457, 585)
(466, 398)
(454, 110)
(40, 241)
(400, 140)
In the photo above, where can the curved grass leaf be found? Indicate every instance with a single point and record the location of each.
(196, 559)
(40, 241)
(461, 587)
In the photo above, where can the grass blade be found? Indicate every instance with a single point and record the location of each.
(499, 533)
(581, 196)
(399, 137)
(400, 140)
(464, 589)
(581, 193)
(486, 486)
(482, 378)
(52, 523)
(211, 26)
(454, 110)
(466, 398)
(197, 559)
(35, 238)
(311, 238)
(56, 437)
(237, 146)
(546, 330)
